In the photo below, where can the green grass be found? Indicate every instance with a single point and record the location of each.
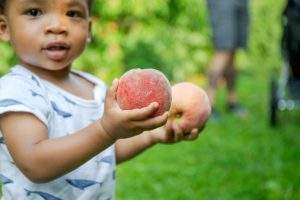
(233, 159)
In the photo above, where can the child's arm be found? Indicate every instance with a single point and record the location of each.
(42, 159)
(168, 134)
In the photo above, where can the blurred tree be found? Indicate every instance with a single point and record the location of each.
(171, 36)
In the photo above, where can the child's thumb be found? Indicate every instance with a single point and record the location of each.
(111, 92)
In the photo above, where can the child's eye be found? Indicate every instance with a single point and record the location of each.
(74, 13)
(33, 12)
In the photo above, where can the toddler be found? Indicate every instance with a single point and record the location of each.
(61, 130)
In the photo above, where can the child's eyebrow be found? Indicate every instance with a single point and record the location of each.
(79, 4)
(76, 3)
(43, 2)
(32, 1)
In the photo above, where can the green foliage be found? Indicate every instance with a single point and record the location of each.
(7, 58)
(171, 36)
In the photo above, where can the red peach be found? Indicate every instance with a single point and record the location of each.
(190, 106)
(139, 87)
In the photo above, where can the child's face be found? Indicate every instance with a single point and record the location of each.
(48, 34)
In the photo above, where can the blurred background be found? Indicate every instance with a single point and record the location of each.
(234, 158)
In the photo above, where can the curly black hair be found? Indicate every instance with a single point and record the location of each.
(2, 5)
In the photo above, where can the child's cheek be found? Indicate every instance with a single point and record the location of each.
(79, 42)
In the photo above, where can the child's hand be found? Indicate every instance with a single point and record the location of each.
(127, 123)
(172, 133)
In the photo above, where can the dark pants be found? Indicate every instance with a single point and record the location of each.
(230, 21)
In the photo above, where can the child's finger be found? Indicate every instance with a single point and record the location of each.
(142, 113)
(111, 93)
(179, 134)
(152, 123)
(168, 126)
(193, 135)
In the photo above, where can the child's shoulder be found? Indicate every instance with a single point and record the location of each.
(21, 91)
(19, 79)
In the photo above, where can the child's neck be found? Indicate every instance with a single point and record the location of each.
(67, 81)
(54, 76)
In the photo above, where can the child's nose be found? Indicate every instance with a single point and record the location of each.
(56, 25)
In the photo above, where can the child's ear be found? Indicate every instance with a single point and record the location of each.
(4, 30)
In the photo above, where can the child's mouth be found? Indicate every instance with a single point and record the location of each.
(56, 51)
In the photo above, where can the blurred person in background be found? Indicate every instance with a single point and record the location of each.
(230, 21)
